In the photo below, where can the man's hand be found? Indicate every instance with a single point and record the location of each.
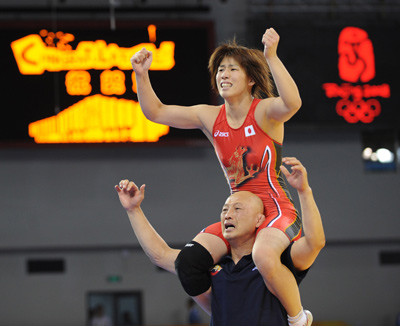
(298, 177)
(270, 40)
(129, 194)
(141, 61)
(306, 249)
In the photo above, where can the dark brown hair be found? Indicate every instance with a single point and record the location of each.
(251, 60)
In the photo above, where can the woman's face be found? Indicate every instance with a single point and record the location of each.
(231, 79)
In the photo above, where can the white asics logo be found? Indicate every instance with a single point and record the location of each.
(249, 131)
(221, 134)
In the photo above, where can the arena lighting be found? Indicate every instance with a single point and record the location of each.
(367, 153)
(381, 155)
(384, 155)
(379, 150)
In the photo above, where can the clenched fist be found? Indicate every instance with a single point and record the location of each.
(141, 61)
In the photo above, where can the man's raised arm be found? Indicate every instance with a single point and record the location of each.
(153, 245)
(306, 249)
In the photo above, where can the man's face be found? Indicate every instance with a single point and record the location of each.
(241, 214)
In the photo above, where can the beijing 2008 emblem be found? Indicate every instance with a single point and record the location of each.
(358, 100)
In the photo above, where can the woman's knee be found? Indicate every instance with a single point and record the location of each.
(215, 245)
(266, 260)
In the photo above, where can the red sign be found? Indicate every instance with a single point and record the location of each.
(356, 64)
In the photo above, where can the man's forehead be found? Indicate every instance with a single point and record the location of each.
(239, 197)
(245, 198)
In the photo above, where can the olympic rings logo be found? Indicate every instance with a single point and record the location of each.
(353, 112)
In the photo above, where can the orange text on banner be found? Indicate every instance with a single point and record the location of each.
(97, 119)
(34, 57)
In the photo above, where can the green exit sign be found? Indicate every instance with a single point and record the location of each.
(114, 278)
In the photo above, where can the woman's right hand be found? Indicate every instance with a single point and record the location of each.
(141, 61)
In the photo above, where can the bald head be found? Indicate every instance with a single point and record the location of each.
(250, 199)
